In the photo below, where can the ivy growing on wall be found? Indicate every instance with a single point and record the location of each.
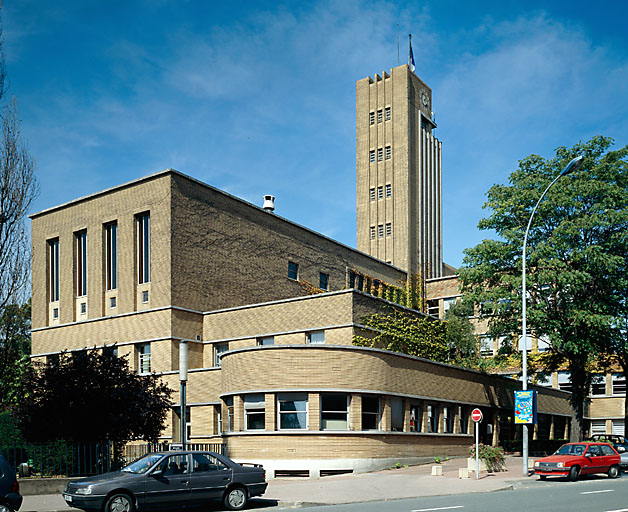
(403, 332)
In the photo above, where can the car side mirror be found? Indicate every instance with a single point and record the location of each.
(157, 473)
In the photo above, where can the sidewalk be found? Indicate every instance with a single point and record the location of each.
(415, 481)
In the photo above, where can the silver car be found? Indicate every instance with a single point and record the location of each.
(169, 480)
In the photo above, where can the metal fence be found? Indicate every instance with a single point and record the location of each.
(60, 458)
(84, 459)
(135, 451)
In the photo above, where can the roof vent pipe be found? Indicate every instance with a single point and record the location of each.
(269, 203)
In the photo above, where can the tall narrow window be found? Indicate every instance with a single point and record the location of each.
(53, 262)
(324, 281)
(230, 413)
(380, 154)
(372, 232)
(388, 229)
(432, 419)
(219, 350)
(388, 113)
(448, 420)
(464, 422)
(143, 248)
(371, 117)
(143, 351)
(111, 255)
(388, 152)
(388, 190)
(380, 116)
(372, 194)
(415, 418)
(380, 231)
(380, 192)
(372, 155)
(81, 263)
(293, 270)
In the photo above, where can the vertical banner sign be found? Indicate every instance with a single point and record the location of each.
(525, 407)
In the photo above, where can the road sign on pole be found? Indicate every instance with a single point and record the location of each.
(476, 416)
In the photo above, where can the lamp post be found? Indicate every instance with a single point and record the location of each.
(570, 167)
(183, 377)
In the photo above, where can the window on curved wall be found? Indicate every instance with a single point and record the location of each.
(292, 411)
(448, 419)
(432, 418)
(464, 420)
(255, 412)
(371, 413)
(396, 412)
(415, 418)
(334, 411)
(315, 337)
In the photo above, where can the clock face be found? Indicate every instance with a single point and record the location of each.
(424, 99)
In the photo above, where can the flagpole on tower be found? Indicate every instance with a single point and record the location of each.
(411, 55)
(397, 44)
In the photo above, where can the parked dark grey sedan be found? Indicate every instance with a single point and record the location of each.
(10, 498)
(169, 480)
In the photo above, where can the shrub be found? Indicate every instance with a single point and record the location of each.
(493, 456)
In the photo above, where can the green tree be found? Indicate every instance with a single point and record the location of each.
(463, 345)
(576, 249)
(400, 331)
(91, 396)
(15, 348)
(18, 189)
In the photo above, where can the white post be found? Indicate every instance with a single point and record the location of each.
(477, 450)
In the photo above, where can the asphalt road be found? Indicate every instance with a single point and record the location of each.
(591, 495)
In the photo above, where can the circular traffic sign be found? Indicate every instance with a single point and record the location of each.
(476, 415)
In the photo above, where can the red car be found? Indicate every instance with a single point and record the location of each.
(575, 459)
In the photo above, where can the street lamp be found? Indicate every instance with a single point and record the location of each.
(570, 167)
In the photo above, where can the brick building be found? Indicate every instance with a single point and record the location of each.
(269, 310)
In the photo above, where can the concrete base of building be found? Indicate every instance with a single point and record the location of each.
(317, 468)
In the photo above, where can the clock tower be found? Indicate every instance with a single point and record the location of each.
(399, 182)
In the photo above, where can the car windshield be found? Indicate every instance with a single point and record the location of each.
(571, 449)
(143, 465)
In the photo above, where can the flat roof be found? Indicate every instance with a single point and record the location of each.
(169, 171)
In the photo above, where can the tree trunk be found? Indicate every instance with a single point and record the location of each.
(578, 395)
(625, 373)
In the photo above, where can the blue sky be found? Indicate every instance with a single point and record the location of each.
(258, 97)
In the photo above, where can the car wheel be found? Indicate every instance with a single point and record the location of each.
(613, 472)
(119, 503)
(235, 498)
(5, 508)
(574, 473)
